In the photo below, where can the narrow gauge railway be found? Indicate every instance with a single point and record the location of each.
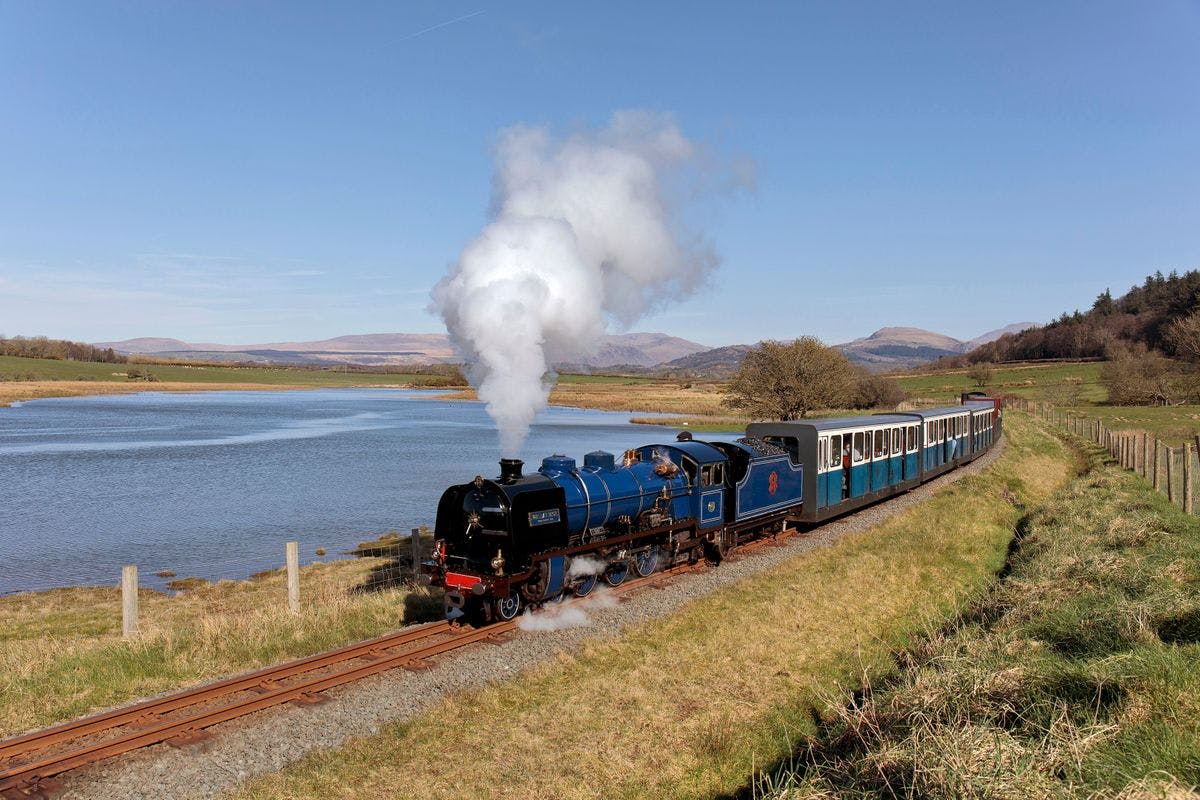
(521, 540)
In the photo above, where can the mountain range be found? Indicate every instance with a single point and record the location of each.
(886, 348)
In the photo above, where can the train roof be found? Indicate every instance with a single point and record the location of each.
(830, 423)
(946, 411)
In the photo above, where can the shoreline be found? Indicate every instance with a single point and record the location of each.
(24, 391)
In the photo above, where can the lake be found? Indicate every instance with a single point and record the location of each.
(213, 484)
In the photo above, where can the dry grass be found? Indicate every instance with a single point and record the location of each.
(61, 654)
(667, 397)
(687, 706)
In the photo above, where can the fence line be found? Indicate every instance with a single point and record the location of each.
(1169, 470)
(397, 563)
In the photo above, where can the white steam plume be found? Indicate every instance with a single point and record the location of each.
(583, 229)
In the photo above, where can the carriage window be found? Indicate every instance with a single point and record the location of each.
(706, 475)
(859, 450)
(880, 447)
(896, 446)
(912, 438)
(835, 450)
(718, 475)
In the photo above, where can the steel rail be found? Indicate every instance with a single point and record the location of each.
(149, 710)
(30, 773)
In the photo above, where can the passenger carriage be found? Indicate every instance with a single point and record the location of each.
(852, 461)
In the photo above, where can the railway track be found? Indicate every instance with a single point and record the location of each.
(30, 765)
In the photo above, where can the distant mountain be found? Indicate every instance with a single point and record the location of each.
(992, 336)
(382, 349)
(890, 348)
(720, 362)
(885, 349)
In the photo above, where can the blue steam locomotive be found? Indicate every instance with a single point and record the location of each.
(520, 540)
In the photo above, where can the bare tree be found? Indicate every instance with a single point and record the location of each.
(981, 372)
(877, 391)
(787, 380)
(1183, 336)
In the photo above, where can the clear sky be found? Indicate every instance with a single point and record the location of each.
(246, 172)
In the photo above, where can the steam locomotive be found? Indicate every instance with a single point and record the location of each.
(520, 540)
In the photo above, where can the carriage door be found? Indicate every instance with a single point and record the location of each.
(712, 495)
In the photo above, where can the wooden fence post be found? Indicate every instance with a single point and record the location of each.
(1187, 478)
(1156, 482)
(1145, 455)
(415, 541)
(293, 576)
(1170, 483)
(129, 601)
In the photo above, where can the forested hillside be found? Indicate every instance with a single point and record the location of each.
(1149, 315)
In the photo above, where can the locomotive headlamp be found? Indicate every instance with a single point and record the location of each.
(498, 563)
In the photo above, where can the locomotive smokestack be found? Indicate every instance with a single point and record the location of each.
(510, 469)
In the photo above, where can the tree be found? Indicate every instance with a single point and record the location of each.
(981, 373)
(787, 380)
(877, 391)
(1183, 336)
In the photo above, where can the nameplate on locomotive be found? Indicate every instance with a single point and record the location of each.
(544, 517)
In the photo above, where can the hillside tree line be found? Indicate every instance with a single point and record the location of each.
(58, 349)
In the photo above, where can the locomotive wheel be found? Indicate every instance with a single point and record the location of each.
(646, 562)
(508, 607)
(616, 573)
(584, 585)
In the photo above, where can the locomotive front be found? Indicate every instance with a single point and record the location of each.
(486, 531)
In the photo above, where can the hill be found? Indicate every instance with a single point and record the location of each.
(885, 349)
(390, 349)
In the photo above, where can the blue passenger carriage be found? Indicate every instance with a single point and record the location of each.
(849, 462)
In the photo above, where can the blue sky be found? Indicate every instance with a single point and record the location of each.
(249, 172)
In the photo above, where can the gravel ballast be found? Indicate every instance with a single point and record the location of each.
(272, 739)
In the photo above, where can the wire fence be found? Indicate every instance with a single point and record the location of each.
(1169, 469)
(390, 563)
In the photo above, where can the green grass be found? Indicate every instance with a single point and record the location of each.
(51, 370)
(1074, 383)
(1077, 676)
(1174, 425)
(688, 706)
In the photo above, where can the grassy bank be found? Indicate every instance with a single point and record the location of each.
(688, 706)
(31, 378)
(1078, 675)
(61, 652)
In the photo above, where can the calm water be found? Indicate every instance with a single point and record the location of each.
(214, 484)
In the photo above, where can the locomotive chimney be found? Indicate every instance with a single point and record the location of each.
(510, 469)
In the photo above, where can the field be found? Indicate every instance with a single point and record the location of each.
(1069, 384)
(61, 652)
(689, 706)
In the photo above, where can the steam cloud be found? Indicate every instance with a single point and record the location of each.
(584, 229)
(571, 613)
